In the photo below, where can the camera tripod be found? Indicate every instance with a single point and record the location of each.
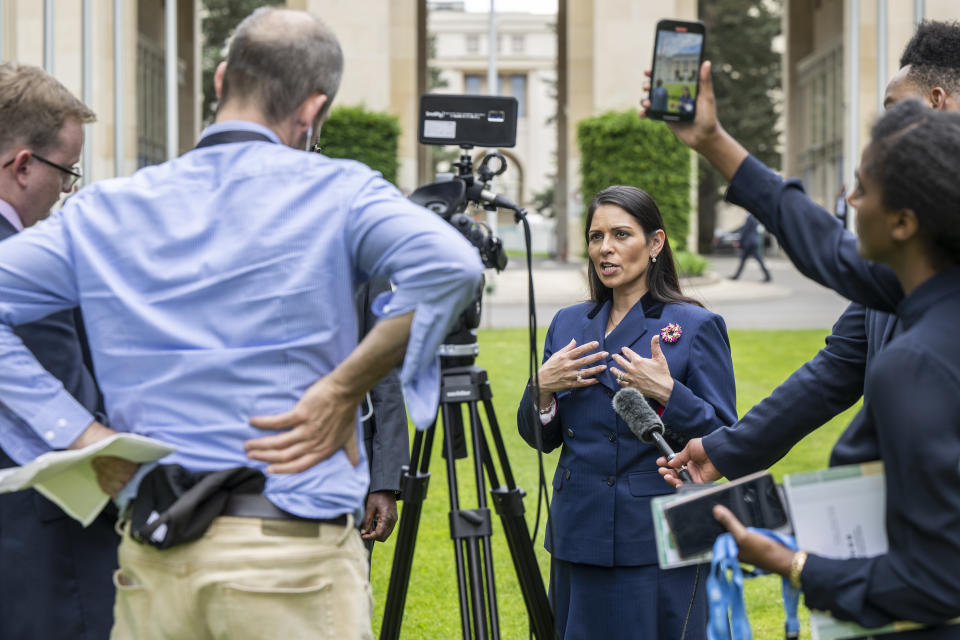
(463, 384)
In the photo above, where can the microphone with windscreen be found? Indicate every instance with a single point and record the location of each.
(644, 422)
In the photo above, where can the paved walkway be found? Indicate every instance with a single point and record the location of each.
(789, 302)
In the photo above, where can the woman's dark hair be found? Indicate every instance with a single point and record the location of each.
(662, 281)
(913, 156)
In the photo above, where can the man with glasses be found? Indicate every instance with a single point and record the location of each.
(55, 576)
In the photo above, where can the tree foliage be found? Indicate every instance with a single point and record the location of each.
(747, 82)
(222, 17)
(623, 148)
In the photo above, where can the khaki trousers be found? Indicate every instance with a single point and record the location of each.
(246, 578)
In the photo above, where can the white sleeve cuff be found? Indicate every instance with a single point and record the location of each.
(551, 413)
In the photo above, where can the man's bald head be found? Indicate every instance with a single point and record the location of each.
(277, 58)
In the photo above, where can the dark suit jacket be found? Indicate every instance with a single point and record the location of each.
(55, 576)
(600, 512)
(385, 433)
(749, 234)
(823, 250)
(825, 386)
(909, 420)
(912, 403)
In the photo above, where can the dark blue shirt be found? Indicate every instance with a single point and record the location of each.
(913, 406)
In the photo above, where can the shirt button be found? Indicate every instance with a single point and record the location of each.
(570, 432)
(62, 422)
(612, 437)
(49, 435)
(609, 393)
(566, 474)
(610, 481)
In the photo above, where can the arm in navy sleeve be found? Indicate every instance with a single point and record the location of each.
(707, 399)
(390, 442)
(814, 239)
(914, 402)
(528, 418)
(816, 392)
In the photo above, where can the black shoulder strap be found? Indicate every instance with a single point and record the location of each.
(225, 137)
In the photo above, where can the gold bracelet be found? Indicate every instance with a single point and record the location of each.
(546, 410)
(796, 568)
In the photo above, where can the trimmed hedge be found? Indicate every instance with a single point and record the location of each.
(690, 264)
(623, 148)
(367, 136)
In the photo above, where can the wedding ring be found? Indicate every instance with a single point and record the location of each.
(579, 379)
(620, 377)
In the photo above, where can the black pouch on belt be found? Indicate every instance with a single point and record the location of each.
(174, 505)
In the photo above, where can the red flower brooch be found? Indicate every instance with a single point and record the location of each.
(671, 333)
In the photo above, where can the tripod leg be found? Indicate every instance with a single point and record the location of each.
(414, 485)
(448, 427)
(508, 501)
(480, 456)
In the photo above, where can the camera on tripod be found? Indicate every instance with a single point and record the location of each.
(469, 121)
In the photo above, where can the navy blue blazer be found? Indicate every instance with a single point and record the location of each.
(600, 511)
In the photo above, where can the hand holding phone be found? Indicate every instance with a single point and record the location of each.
(753, 499)
(675, 81)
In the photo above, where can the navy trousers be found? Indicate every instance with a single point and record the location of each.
(56, 577)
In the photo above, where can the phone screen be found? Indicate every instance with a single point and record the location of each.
(674, 83)
(754, 499)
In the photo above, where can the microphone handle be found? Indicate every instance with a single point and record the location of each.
(670, 454)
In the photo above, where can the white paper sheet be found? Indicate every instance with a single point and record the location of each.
(840, 513)
(67, 478)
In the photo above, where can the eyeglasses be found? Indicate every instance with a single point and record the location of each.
(71, 174)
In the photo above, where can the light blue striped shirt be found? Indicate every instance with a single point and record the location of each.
(219, 286)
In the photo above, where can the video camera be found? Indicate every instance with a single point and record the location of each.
(468, 121)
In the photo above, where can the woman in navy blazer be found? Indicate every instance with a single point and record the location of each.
(638, 330)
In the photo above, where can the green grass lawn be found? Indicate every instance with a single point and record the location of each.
(762, 359)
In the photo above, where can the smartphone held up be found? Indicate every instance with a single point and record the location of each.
(675, 79)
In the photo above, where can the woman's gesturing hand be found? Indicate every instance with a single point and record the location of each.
(569, 368)
(650, 376)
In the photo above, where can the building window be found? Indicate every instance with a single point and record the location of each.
(151, 109)
(518, 89)
(820, 153)
(472, 84)
(473, 43)
(517, 43)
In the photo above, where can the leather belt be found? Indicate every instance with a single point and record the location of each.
(256, 505)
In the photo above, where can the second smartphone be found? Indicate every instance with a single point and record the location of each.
(675, 79)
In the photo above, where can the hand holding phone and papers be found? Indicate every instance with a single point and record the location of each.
(67, 478)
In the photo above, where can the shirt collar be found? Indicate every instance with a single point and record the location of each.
(240, 125)
(942, 286)
(11, 215)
